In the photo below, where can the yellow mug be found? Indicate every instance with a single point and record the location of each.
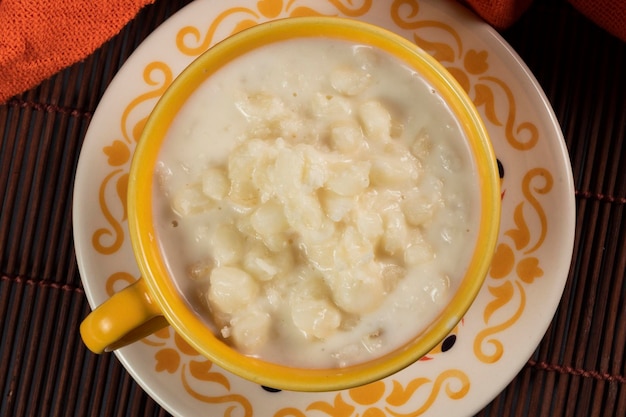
(154, 300)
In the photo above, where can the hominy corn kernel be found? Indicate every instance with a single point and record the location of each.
(189, 200)
(337, 207)
(376, 120)
(369, 224)
(268, 220)
(396, 234)
(201, 269)
(350, 81)
(418, 208)
(330, 105)
(315, 172)
(418, 252)
(348, 178)
(262, 106)
(215, 183)
(318, 318)
(228, 245)
(250, 329)
(347, 136)
(358, 290)
(231, 289)
(422, 145)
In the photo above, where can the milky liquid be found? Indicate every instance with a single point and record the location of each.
(315, 110)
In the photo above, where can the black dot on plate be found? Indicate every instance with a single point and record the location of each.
(500, 168)
(269, 389)
(448, 342)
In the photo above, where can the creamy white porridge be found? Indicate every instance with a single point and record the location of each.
(316, 203)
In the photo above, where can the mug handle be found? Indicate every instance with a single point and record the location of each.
(128, 316)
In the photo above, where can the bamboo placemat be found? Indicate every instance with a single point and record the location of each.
(579, 369)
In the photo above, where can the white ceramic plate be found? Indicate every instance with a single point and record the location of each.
(520, 295)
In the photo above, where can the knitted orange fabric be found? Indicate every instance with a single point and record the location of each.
(499, 13)
(609, 14)
(41, 37)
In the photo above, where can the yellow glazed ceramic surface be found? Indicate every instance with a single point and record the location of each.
(155, 294)
(522, 289)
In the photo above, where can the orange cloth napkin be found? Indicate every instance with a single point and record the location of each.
(609, 14)
(41, 37)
